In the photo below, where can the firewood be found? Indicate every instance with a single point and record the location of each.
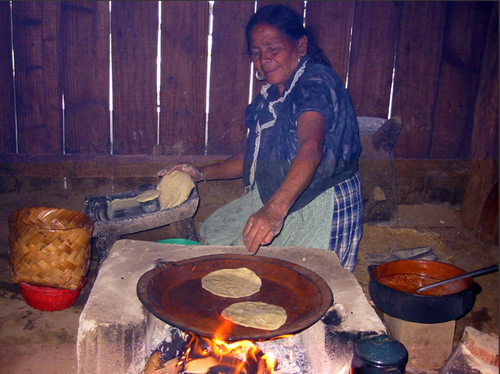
(201, 365)
(153, 363)
(262, 367)
(170, 367)
(483, 346)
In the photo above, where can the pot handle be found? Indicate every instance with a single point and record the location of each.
(476, 288)
(370, 270)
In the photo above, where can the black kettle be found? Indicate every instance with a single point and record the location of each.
(379, 354)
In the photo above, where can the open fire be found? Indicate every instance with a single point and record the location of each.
(201, 355)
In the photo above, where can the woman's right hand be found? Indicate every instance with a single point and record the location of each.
(195, 172)
(263, 226)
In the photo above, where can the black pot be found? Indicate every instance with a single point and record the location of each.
(446, 304)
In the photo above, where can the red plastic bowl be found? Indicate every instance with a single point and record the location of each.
(49, 298)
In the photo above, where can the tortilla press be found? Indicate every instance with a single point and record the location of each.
(117, 214)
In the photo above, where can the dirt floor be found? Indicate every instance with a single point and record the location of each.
(34, 341)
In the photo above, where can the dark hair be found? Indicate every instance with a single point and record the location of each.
(289, 23)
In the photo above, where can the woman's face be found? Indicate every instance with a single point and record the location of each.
(275, 56)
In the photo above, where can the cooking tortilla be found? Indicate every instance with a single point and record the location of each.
(174, 189)
(256, 314)
(234, 283)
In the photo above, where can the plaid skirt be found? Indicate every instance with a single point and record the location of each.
(347, 221)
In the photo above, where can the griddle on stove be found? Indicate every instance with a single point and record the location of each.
(111, 226)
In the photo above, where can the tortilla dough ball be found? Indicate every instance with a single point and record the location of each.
(174, 189)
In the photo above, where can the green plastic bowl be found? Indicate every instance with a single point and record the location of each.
(179, 241)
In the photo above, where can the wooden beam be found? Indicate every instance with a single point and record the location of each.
(73, 166)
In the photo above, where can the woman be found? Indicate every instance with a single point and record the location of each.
(300, 161)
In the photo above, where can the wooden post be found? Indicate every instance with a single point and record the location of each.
(483, 172)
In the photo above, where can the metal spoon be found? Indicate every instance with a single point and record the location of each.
(475, 273)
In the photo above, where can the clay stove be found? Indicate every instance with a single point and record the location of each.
(117, 334)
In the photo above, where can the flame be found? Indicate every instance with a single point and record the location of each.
(346, 369)
(237, 355)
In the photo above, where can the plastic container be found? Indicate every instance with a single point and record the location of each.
(49, 298)
(179, 241)
(379, 354)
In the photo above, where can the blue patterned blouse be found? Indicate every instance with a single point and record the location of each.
(272, 140)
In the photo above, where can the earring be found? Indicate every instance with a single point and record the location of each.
(258, 76)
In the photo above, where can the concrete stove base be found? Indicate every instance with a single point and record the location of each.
(428, 344)
(115, 330)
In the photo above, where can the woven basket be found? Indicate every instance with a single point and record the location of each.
(49, 247)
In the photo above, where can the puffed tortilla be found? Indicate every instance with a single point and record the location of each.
(233, 283)
(174, 189)
(148, 196)
(256, 314)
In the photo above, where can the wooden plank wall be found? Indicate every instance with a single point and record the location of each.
(37, 42)
(59, 101)
(7, 119)
(61, 51)
(85, 83)
(134, 30)
(435, 64)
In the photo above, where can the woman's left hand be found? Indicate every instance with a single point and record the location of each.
(262, 227)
